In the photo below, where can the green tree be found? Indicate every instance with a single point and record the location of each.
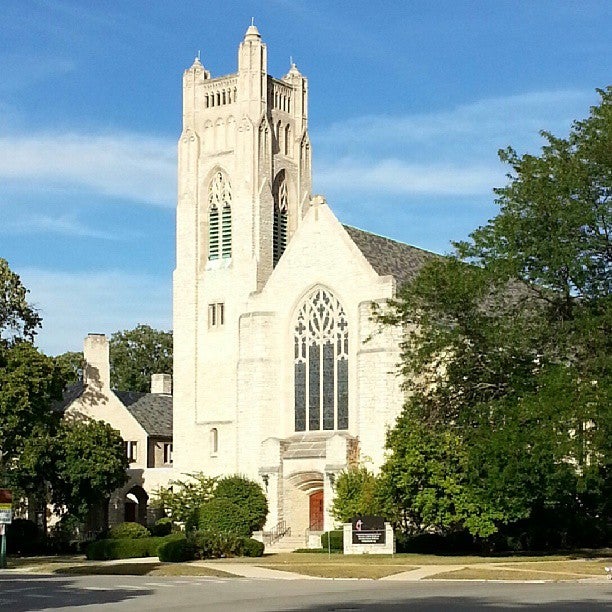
(246, 494)
(90, 463)
(18, 320)
(507, 354)
(185, 497)
(29, 383)
(71, 364)
(136, 354)
(356, 493)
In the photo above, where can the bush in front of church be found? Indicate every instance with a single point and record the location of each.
(252, 548)
(215, 545)
(176, 550)
(129, 531)
(126, 548)
(333, 540)
(248, 495)
(222, 516)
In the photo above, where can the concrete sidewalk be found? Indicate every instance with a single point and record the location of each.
(246, 570)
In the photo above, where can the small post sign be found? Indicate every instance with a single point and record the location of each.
(6, 506)
(368, 530)
(6, 517)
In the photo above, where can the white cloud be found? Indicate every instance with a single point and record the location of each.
(521, 116)
(394, 176)
(136, 167)
(73, 304)
(63, 225)
(450, 152)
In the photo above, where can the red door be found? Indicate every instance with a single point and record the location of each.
(316, 511)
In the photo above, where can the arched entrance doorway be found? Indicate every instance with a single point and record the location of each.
(304, 504)
(135, 505)
(316, 511)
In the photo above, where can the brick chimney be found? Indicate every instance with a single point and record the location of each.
(97, 362)
(161, 384)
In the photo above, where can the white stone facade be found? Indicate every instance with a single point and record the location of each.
(245, 150)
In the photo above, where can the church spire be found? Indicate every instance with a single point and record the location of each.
(252, 32)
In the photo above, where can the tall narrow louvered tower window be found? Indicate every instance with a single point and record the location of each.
(321, 364)
(226, 232)
(279, 238)
(219, 230)
(213, 232)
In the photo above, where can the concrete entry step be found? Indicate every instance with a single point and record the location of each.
(286, 544)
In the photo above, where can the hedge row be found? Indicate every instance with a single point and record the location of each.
(126, 548)
(208, 545)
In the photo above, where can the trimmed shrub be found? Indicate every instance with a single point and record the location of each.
(129, 531)
(162, 527)
(434, 543)
(212, 545)
(224, 516)
(336, 540)
(23, 538)
(248, 495)
(252, 548)
(176, 550)
(126, 548)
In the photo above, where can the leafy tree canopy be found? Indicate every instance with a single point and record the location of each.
(246, 494)
(185, 497)
(507, 354)
(90, 464)
(136, 354)
(18, 320)
(356, 493)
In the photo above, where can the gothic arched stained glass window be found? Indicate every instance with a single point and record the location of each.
(219, 199)
(321, 364)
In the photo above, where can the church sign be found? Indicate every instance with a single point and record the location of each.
(368, 530)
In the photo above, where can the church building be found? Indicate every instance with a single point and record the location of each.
(280, 373)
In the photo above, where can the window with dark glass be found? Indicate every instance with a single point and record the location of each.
(279, 230)
(321, 364)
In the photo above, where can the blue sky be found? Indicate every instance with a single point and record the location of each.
(409, 103)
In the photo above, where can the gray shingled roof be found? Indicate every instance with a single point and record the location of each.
(71, 393)
(152, 410)
(389, 257)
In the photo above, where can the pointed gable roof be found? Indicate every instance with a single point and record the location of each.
(152, 411)
(389, 257)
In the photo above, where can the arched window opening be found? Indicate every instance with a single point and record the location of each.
(213, 233)
(226, 232)
(288, 143)
(321, 364)
(279, 137)
(214, 442)
(279, 228)
(219, 230)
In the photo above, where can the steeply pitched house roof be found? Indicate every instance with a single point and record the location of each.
(389, 257)
(153, 411)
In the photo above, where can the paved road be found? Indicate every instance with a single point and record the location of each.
(27, 592)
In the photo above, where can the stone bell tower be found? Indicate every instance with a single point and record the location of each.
(244, 182)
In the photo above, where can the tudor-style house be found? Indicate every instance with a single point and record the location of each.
(144, 421)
